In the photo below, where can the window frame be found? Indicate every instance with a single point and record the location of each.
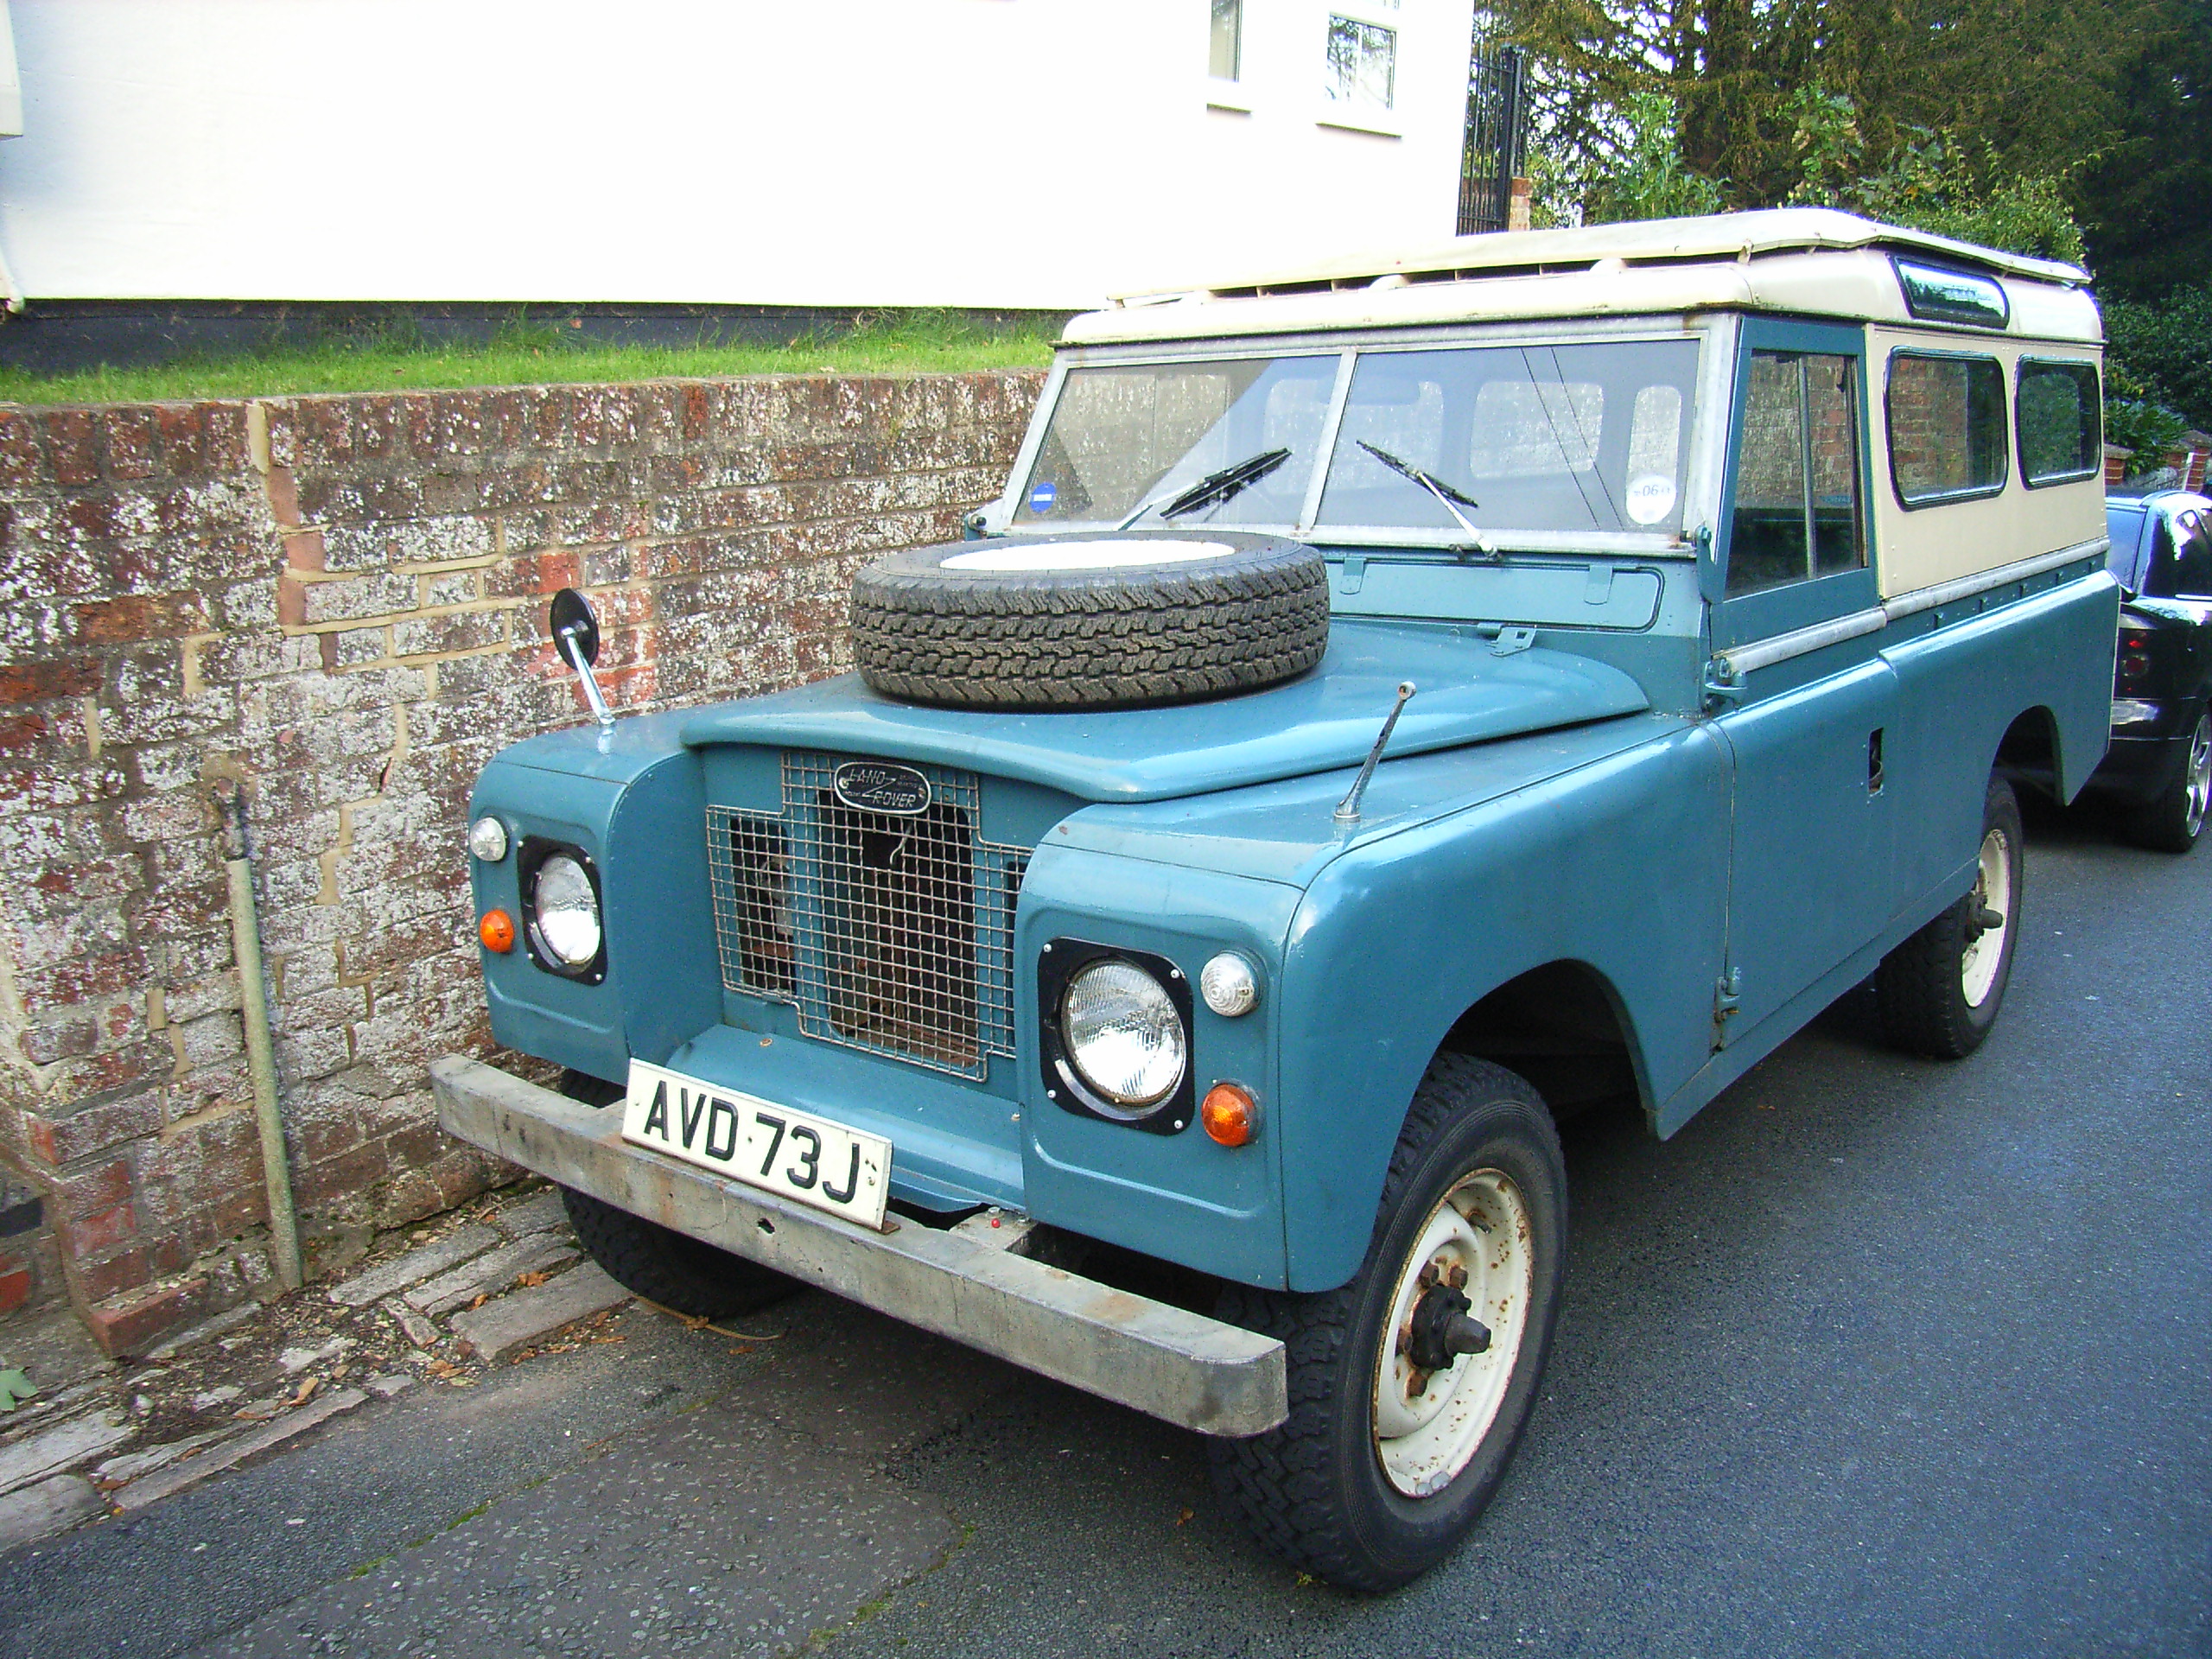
(1235, 78)
(1386, 15)
(1743, 619)
(1949, 498)
(2096, 466)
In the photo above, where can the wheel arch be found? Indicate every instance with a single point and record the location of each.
(2032, 750)
(1564, 1026)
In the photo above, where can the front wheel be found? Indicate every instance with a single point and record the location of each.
(1939, 991)
(1410, 1387)
(2172, 822)
(679, 1272)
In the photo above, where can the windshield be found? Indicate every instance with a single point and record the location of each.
(1542, 437)
(1567, 438)
(1126, 439)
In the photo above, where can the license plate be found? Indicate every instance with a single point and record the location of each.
(791, 1153)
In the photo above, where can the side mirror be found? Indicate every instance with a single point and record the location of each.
(574, 629)
(576, 636)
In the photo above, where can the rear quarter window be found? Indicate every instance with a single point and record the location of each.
(2058, 411)
(1945, 415)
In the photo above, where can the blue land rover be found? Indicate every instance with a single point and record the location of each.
(1391, 703)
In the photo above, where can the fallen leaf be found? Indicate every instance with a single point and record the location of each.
(483, 1297)
(1186, 1516)
(527, 1281)
(306, 1391)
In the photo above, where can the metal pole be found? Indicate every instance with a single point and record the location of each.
(261, 1057)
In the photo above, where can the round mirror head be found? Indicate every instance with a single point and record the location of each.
(571, 614)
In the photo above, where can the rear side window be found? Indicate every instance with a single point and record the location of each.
(1946, 418)
(2058, 411)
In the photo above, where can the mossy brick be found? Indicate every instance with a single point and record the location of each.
(453, 631)
(132, 438)
(533, 577)
(82, 979)
(60, 1038)
(72, 445)
(450, 589)
(131, 1324)
(374, 594)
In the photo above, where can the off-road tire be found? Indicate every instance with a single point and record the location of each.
(2173, 822)
(1116, 637)
(1918, 989)
(1312, 1492)
(656, 1262)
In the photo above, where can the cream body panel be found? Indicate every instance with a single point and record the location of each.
(1922, 546)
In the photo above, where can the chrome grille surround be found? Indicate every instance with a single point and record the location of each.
(890, 933)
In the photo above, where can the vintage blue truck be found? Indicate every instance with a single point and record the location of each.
(1393, 703)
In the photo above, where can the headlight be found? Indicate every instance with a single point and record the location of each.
(564, 911)
(1122, 1033)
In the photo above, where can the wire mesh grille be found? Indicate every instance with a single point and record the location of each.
(889, 932)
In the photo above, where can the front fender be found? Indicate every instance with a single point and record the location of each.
(1620, 863)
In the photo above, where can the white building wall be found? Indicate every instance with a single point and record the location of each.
(837, 152)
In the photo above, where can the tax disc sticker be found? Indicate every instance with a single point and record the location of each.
(1042, 494)
(1650, 497)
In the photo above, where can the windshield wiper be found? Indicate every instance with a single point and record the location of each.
(1452, 499)
(1216, 488)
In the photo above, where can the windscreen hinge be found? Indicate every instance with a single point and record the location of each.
(1511, 641)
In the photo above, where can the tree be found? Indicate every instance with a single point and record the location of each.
(2145, 195)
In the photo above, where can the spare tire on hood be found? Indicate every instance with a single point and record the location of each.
(1100, 621)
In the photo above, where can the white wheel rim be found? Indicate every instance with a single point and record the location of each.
(1481, 1228)
(2200, 774)
(1992, 890)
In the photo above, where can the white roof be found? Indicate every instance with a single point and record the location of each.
(1808, 260)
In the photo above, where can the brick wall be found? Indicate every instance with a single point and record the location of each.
(339, 603)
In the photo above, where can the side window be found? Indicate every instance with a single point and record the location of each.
(1797, 472)
(1946, 417)
(2057, 410)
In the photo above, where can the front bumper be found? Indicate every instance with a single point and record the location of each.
(1180, 1367)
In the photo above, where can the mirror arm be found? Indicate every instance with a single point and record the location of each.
(574, 651)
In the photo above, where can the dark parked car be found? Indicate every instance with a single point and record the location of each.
(2160, 762)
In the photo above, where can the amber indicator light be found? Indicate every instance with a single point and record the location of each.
(497, 929)
(1228, 1114)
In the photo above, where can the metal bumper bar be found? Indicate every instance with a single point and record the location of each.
(1180, 1367)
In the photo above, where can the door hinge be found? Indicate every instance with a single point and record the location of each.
(1511, 641)
(1727, 998)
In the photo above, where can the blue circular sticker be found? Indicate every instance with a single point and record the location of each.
(1042, 495)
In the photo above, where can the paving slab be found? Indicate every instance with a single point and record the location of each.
(497, 1329)
(413, 1268)
(490, 1273)
(52, 1450)
(175, 1479)
(52, 1505)
(131, 1465)
(540, 1213)
(712, 1533)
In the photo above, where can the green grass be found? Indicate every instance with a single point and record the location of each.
(907, 343)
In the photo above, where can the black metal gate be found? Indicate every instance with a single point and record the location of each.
(1497, 137)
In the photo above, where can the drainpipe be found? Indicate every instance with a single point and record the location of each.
(261, 1058)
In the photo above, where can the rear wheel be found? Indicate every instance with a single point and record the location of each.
(1939, 991)
(1410, 1387)
(2172, 822)
(656, 1262)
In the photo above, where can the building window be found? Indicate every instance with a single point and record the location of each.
(1947, 428)
(1225, 50)
(1362, 56)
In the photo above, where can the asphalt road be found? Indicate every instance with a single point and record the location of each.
(1876, 1356)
